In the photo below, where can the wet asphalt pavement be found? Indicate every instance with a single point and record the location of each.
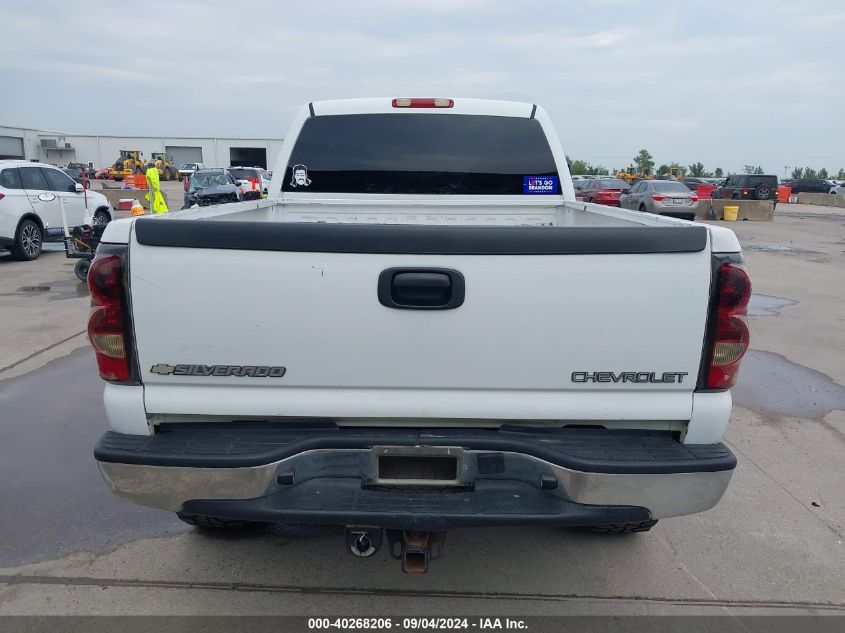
(53, 498)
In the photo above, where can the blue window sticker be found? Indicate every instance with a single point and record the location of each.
(539, 184)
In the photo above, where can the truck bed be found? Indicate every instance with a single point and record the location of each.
(469, 210)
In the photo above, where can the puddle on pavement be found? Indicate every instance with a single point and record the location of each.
(769, 383)
(767, 305)
(58, 290)
(789, 249)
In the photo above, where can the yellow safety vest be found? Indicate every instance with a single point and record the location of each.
(157, 203)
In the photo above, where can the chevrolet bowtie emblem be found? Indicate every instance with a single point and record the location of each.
(162, 369)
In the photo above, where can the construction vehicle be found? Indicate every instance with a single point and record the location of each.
(630, 174)
(677, 172)
(166, 169)
(131, 161)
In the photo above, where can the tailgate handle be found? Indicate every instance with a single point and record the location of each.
(421, 288)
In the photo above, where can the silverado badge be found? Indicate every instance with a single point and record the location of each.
(251, 371)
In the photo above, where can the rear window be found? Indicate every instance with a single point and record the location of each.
(244, 174)
(208, 179)
(415, 153)
(670, 186)
(613, 183)
(769, 181)
(10, 179)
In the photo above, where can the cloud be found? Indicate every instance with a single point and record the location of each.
(689, 81)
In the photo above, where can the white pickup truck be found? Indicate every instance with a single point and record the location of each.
(419, 329)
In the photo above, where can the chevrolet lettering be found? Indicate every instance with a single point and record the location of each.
(629, 376)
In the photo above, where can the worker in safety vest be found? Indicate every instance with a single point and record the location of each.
(156, 200)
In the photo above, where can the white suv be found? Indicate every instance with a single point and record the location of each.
(187, 170)
(30, 211)
(254, 180)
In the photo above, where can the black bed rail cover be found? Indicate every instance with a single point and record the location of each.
(414, 239)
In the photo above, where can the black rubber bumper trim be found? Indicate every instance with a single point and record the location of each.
(6, 242)
(245, 444)
(339, 501)
(318, 237)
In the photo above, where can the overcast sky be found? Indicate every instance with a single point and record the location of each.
(726, 83)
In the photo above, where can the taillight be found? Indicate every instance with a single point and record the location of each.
(416, 102)
(187, 182)
(2, 195)
(730, 331)
(656, 197)
(694, 197)
(107, 323)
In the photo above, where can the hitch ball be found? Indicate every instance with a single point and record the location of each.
(363, 542)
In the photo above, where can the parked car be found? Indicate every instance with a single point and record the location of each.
(812, 185)
(186, 170)
(748, 187)
(90, 172)
(663, 197)
(212, 186)
(838, 189)
(254, 180)
(693, 182)
(30, 211)
(421, 371)
(603, 191)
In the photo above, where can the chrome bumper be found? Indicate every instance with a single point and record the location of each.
(170, 487)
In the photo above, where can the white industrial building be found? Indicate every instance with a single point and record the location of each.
(58, 148)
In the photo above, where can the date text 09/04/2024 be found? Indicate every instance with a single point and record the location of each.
(417, 624)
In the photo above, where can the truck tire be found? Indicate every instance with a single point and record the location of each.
(28, 241)
(205, 522)
(624, 528)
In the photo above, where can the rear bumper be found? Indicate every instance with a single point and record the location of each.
(329, 475)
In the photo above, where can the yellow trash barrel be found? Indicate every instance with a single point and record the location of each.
(731, 213)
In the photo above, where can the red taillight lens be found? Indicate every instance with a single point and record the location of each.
(2, 195)
(416, 102)
(694, 198)
(106, 324)
(656, 197)
(731, 338)
(187, 182)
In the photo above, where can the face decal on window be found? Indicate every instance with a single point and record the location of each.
(300, 176)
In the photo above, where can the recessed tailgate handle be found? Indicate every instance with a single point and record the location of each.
(421, 288)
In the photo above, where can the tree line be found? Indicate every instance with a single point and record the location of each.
(643, 163)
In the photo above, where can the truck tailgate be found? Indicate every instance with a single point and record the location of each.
(601, 323)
